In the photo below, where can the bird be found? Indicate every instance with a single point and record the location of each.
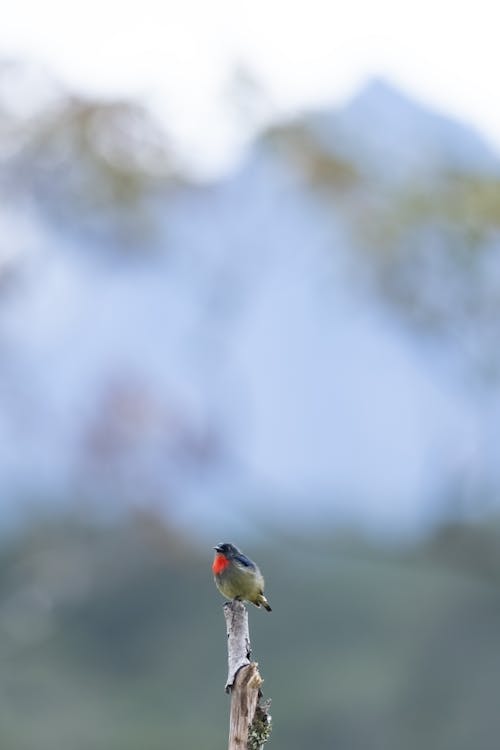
(238, 577)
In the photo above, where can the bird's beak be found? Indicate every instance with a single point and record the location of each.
(217, 548)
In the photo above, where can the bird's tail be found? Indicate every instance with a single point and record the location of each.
(261, 600)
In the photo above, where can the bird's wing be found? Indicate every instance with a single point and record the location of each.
(242, 560)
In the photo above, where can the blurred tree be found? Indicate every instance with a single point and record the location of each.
(428, 249)
(425, 245)
(433, 255)
(322, 168)
(97, 164)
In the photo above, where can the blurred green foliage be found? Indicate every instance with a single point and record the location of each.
(112, 636)
(96, 167)
(426, 245)
(433, 253)
(322, 168)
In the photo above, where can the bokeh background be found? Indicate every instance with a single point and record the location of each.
(249, 292)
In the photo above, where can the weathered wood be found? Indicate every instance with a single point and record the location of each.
(238, 640)
(249, 722)
(244, 698)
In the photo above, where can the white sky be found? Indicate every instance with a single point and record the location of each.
(179, 56)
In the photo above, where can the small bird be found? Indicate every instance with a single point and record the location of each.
(238, 577)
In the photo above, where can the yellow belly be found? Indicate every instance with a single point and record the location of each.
(240, 584)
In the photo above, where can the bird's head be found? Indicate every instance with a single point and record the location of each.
(228, 550)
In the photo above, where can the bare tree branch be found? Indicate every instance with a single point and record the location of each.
(250, 721)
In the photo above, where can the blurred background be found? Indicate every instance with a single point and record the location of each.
(249, 292)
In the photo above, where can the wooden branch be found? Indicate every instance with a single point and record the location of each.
(250, 721)
(238, 640)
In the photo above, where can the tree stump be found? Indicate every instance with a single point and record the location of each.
(250, 721)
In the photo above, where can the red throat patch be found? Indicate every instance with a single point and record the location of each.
(220, 563)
